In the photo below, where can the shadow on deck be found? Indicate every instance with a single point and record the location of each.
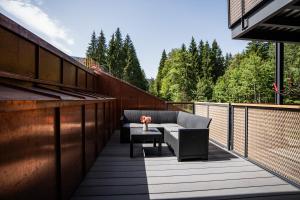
(224, 176)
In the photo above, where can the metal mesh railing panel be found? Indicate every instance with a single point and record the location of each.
(218, 129)
(239, 130)
(274, 141)
(201, 110)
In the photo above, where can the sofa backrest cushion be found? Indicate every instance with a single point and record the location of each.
(157, 116)
(167, 116)
(132, 116)
(188, 120)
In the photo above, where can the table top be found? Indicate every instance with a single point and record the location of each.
(139, 131)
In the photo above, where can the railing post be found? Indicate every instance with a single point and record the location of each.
(229, 122)
(246, 132)
(279, 72)
(194, 109)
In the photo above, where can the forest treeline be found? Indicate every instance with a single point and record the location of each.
(201, 73)
(118, 57)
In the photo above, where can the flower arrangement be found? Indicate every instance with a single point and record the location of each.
(145, 120)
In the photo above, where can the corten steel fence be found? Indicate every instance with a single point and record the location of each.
(55, 115)
(127, 96)
(181, 106)
(268, 135)
(219, 129)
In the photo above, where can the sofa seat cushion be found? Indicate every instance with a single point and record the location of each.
(133, 125)
(170, 125)
(173, 129)
(153, 125)
(140, 125)
(174, 134)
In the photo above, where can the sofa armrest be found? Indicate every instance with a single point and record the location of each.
(193, 141)
(122, 120)
(187, 132)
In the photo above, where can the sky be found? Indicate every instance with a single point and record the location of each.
(153, 25)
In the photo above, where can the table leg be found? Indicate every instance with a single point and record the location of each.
(159, 147)
(131, 148)
(154, 142)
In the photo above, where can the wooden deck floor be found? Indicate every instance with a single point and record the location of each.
(224, 176)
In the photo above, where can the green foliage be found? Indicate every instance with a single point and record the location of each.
(92, 48)
(248, 79)
(160, 74)
(101, 51)
(217, 61)
(204, 89)
(119, 58)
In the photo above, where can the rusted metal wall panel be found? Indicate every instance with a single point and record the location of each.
(90, 81)
(81, 78)
(27, 161)
(71, 149)
(17, 54)
(90, 135)
(69, 74)
(100, 127)
(128, 96)
(49, 68)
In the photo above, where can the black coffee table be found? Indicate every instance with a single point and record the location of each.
(138, 135)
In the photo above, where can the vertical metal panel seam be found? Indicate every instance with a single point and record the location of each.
(57, 135)
(83, 139)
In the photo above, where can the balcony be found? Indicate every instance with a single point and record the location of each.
(267, 20)
(223, 176)
(59, 136)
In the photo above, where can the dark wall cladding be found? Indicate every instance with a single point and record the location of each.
(17, 54)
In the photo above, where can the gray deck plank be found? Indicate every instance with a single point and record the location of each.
(115, 175)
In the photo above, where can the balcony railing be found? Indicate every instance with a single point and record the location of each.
(268, 135)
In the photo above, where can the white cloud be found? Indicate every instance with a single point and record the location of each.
(34, 17)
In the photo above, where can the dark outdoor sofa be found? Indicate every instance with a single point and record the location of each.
(185, 133)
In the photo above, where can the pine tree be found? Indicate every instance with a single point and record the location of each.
(201, 59)
(227, 60)
(92, 48)
(206, 66)
(132, 72)
(192, 73)
(216, 61)
(101, 51)
(111, 59)
(160, 74)
(119, 57)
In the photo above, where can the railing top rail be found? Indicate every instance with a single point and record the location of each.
(174, 102)
(267, 105)
(212, 103)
